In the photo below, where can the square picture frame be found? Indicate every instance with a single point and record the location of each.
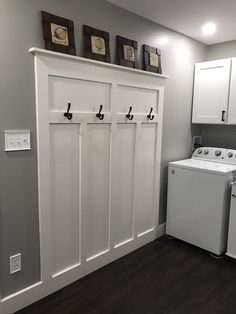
(152, 59)
(127, 52)
(96, 44)
(58, 33)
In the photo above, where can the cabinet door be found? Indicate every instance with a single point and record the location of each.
(211, 91)
(232, 96)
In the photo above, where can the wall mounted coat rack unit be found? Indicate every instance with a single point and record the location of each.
(99, 172)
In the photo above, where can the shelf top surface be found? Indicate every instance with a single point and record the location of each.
(39, 51)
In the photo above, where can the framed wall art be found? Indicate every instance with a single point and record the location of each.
(96, 44)
(58, 33)
(127, 52)
(152, 59)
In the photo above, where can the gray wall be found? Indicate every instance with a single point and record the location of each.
(221, 51)
(21, 25)
(220, 135)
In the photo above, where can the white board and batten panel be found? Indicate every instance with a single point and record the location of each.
(83, 94)
(141, 99)
(145, 179)
(98, 179)
(211, 92)
(123, 184)
(65, 194)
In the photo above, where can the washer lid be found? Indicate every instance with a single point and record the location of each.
(203, 165)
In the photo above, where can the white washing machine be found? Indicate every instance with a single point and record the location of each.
(199, 191)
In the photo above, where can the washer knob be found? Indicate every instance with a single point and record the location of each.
(217, 152)
(206, 151)
(199, 151)
(230, 154)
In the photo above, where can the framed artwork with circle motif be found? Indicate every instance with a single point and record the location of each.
(58, 33)
(96, 44)
(152, 59)
(127, 52)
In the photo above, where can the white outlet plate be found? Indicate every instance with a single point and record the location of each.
(196, 140)
(17, 140)
(15, 263)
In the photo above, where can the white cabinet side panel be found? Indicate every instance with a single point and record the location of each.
(122, 183)
(232, 95)
(97, 189)
(84, 95)
(64, 151)
(145, 178)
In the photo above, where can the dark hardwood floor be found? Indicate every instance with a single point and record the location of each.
(165, 276)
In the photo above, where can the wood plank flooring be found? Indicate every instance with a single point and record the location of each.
(163, 277)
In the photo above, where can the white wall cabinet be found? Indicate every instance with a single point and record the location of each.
(211, 92)
(98, 179)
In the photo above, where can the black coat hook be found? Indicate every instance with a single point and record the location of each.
(130, 116)
(67, 114)
(150, 116)
(100, 115)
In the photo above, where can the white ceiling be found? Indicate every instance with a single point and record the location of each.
(188, 16)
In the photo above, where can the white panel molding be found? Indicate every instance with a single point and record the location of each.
(75, 262)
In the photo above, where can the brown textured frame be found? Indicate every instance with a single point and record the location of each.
(146, 59)
(90, 31)
(47, 19)
(129, 42)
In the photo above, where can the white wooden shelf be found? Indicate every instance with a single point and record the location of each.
(37, 51)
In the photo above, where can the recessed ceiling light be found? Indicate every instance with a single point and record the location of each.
(209, 29)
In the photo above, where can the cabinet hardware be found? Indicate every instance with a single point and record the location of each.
(130, 116)
(223, 116)
(150, 116)
(233, 195)
(67, 114)
(100, 115)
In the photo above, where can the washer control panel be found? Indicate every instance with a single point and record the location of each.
(216, 154)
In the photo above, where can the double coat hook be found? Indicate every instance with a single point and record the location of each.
(130, 116)
(150, 116)
(68, 114)
(100, 115)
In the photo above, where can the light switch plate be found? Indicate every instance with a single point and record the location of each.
(17, 140)
(15, 263)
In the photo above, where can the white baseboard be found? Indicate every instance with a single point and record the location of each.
(230, 255)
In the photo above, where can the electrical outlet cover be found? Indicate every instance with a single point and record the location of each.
(15, 263)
